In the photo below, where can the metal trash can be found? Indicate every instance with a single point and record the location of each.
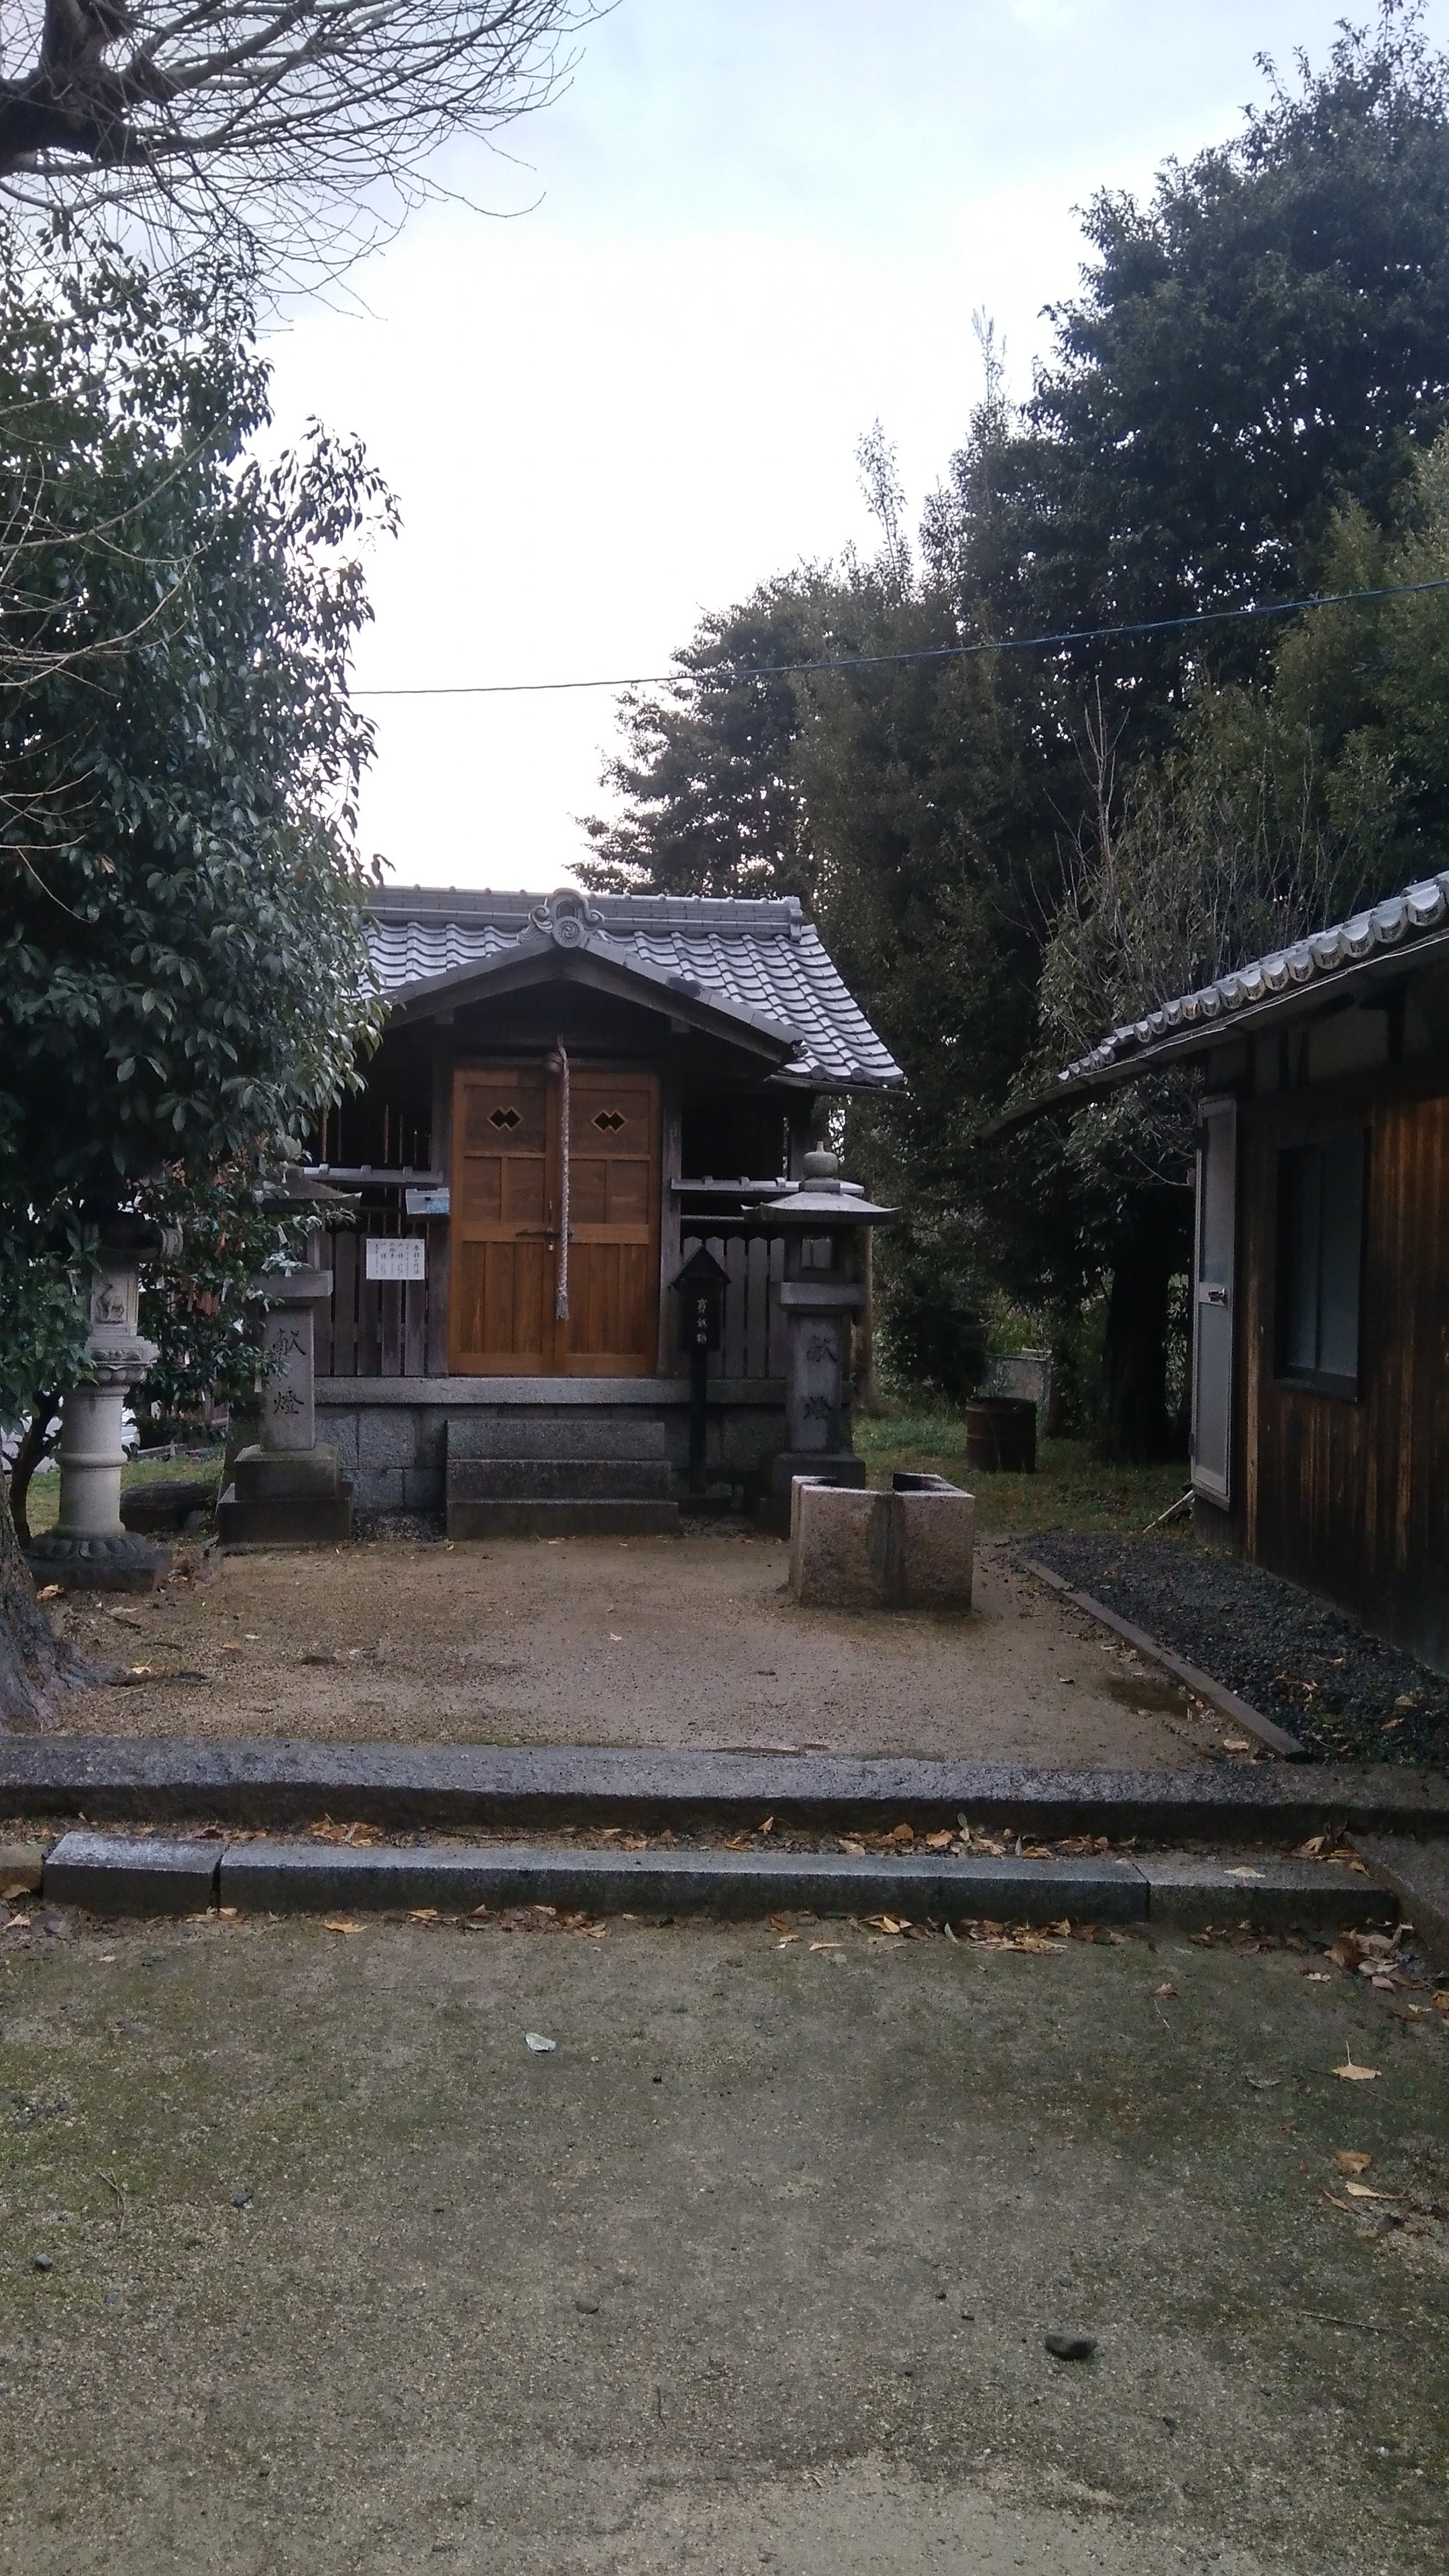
(1001, 1434)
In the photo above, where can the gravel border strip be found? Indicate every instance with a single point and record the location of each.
(1201, 1684)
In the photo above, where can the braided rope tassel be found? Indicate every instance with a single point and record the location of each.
(561, 1290)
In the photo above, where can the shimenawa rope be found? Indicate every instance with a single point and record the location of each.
(561, 1290)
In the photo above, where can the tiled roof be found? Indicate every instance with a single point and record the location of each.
(762, 960)
(1329, 956)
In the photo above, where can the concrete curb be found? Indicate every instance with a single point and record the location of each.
(131, 1874)
(268, 1782)
(122, 1874)
(279, 1876)
(1418, 1874)
(1241, 1711)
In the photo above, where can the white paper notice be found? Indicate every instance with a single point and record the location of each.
(397, 1256)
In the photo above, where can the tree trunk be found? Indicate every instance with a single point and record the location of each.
(1136, 1426)
(31, 1659)
(25, 1461)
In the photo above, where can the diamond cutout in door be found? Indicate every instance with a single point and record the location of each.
(609, 1119)
(504, 1118)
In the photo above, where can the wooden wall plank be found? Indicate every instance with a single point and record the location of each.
(1350, 1498)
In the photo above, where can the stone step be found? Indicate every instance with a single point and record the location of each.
(566, 1516)
(568, 1480)
(252, 1780)
(121, 1873)
(572, 1433)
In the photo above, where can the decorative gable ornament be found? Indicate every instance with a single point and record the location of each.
(567, 918)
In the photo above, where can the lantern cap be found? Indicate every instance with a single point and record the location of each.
(822, 1194)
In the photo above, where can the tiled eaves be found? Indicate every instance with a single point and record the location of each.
(1278, 986)
(758, 958)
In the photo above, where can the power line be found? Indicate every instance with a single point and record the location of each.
(928, 652)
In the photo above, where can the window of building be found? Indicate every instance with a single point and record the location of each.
(1320, 1262)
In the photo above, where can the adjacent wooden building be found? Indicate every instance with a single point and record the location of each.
(1320, 1441)
(572, 1096)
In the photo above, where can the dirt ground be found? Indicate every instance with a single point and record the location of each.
(653, 1641)
(312, 2266)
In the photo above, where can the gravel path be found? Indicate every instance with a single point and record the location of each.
(1345, 1694)
(651, 1641)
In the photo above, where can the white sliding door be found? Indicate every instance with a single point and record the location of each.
(1212, 1315)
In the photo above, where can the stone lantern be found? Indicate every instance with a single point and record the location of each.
(825, 1224)
(89, 1549)
(287, 1490)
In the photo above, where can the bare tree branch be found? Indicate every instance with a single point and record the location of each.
(298, 127)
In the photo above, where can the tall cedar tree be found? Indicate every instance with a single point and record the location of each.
(1263, 342)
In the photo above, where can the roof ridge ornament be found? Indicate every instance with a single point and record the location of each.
(566, 917)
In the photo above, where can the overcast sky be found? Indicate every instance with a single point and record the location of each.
(750, 229)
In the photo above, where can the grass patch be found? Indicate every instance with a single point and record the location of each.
(1072, 1487)
(43, 1505)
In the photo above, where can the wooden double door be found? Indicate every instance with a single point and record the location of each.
(508, 1186)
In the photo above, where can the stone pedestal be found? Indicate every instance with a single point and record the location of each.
(286, 1490)
(89, 1549)
(825, 1223)
(910, 1549)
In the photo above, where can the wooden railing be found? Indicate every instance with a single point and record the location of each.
(752, 1343)
(376, 1328)
(385, 1327)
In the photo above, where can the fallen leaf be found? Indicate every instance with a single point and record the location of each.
(1236, 1744)
(833, 1945)
(939, 1842)
(767, 1827)
(1165, 1990)
(48, 1592)
(778, 1922)
(886, 1922)
(848, 1843)
(1245, 1873)
(614, 1638)
(1346, 1951)
(1362, 2191)
(900, 1834)
(423, 1914)
(784, 1942)
(535, 2040)
(340, 1923)
(1351, 2160)
(1318, 1976)
(1356, 2074)
(231, 1646)
(1312, 1849)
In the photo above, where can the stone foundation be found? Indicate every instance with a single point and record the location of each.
(391, 1434)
